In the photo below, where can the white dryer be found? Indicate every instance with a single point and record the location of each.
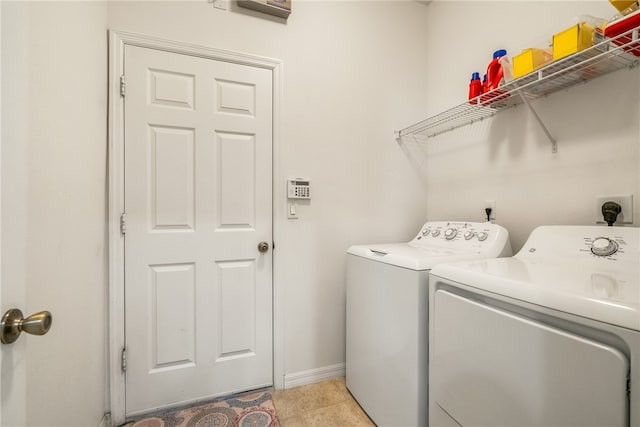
(387, 315)
(549, 337)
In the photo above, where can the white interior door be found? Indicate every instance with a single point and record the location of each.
(198, 201)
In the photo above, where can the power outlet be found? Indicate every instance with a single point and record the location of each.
(624, 217)
(490, 204)
(219, 4)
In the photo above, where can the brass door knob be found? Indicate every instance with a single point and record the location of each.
(263, 246)
(13, 324)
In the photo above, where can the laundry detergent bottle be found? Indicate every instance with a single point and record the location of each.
(475, 88)
(494, 70)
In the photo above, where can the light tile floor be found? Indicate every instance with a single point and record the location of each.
(323, 404)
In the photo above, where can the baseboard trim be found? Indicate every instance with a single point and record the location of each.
(314, 375)
(106, 420)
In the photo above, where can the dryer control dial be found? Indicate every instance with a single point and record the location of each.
(450, 233)
(483, 235)
(468, 235)
(435, 233)
(425, 232)
(603, 246)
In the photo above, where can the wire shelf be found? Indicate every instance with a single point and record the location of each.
(605, 56)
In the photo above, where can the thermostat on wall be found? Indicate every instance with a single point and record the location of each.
(298, 189)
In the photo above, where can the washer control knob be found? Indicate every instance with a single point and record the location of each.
(425, 232)
(482, 235)
(450, 233)
(468, 235)
(435, 233)
(603, 246)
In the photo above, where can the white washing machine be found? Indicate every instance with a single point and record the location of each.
(549, 337)
(387, 315)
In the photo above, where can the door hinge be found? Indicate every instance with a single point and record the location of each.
(123, 359)
(123, 224)
(122, 86)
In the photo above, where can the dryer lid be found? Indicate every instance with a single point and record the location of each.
(557, 269)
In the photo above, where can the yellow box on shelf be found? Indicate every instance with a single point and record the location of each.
(572, 40)
(624, 5)
(529, 60)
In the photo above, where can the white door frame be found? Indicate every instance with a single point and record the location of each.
(117, 42)
(1, 145)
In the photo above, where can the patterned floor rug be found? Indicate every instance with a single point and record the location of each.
(252, 410)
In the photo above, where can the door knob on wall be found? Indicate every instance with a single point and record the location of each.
(13, 324)
(263, 246)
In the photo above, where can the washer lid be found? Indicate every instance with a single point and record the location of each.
(408, 256)
(441, 241)
(603, 288)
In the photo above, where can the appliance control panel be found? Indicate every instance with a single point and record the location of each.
(610, 247)
(456, 231)
(597, 243)
(475, 236)
(604, 246)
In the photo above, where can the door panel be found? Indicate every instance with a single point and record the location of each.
(237, 325)
(237, 181)
(198, 137)
(491, 367)
(173, 291)
(172, 178)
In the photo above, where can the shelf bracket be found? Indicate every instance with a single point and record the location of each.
(552, 140)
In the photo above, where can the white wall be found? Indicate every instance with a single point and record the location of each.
(54, 71)
(352, 73)
(508, 158)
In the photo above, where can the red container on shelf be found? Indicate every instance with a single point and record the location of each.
(495, 73)
(475, 88)
(623, 25)
(494, 70)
